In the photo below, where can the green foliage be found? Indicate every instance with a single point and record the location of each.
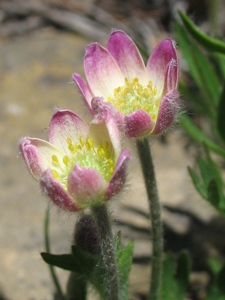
(220, 115)
(81, 263)
(209, 183)
(206, 41)
(175, 277)
(124, 263)
(217, 288)
(207, 70)
(86, 267)
(199, 136)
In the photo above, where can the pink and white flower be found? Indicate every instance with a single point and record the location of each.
(143, 99)
(81, 165)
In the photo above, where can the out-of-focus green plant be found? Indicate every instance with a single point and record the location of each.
(205, 58)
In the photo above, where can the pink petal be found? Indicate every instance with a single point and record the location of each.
(127, 56)
(86, 186)
(84, 90)
(37, 155)
(172, 76)
(118, 179)
(100, 107)
(167, 112)
(138, 124)
(66, 124)
(158, 61)
(53, 189)
(102, 73)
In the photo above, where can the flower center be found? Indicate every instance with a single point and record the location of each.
(86, 154)
(133, 95)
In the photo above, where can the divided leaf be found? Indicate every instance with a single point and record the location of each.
(175, 277)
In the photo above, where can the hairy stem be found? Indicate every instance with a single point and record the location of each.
(104, 229)
(155, 215)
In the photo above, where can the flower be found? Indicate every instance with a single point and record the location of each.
(144, 100)
(81, 165)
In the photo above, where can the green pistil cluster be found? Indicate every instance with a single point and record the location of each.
(85, 154)
(133, 96)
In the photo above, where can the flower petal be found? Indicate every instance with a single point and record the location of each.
(104, 128)
(100, 107)
(172, 76)
(118, 178)
(53, 189)
(127, 56)
(37, 154)
(102, 73)
(158, 61)
(167, 111)
(66, 124)
(84, 90)
(138, 124)
(86, 186)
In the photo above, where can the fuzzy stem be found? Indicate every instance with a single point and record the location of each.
(104, 229)
(155, 214)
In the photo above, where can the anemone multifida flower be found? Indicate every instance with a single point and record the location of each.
(80, 165)
(143, 99)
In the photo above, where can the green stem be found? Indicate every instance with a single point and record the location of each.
(47, 247)
(101, 217)
(155, 209)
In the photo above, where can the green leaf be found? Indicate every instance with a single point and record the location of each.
(213, 194)
(175, 277)
(200, 68)
(199, 185)
(88, 266)
(215, 265)
(76, 287)
(215, 168)
(80, 261)
(198, 135)
(220, 115)
(182, 273)
(206, 171)
(220, 62)
(209, 82)
(124, 263)
(217, 287)
(206, 41)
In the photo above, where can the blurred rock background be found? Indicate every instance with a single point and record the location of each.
(41, 45)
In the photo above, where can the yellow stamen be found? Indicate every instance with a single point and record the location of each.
(66, 160)
(71, 147)
(69, 141)
(82, 141)
(55, 160)
(110, 162)
(55, 174)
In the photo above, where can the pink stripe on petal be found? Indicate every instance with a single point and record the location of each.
(167, 112)
(86, 186)
(84, 90)
(53, 189)
(119, 175)
(138, 124)
(158, 61)
(37, 154)
(64, 124)
(102, 72)
(127, 56)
